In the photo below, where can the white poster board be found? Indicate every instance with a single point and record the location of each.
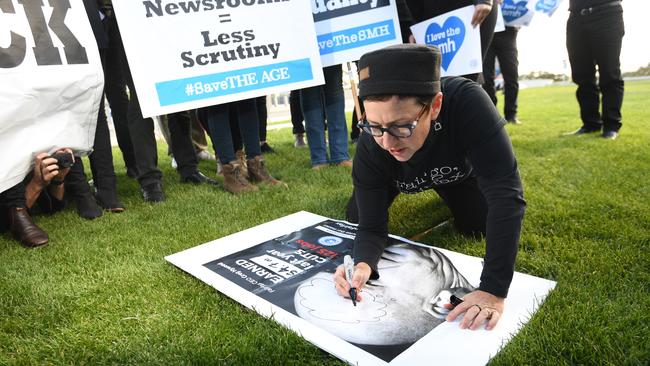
(51, 82)
(547, 7)
(500, 26)
(190, 54)
(458, 41)
(282, 269)
(517, 13)
(348, 29)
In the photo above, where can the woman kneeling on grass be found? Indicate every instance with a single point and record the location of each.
(414, 140)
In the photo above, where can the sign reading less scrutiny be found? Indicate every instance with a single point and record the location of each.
(191, 54)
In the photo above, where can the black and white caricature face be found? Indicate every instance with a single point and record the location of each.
(403, 305)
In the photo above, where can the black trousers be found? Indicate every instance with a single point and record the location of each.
(101, 159)
(180, 135)
(465, 201)
(263, 115)
(595, 39)
(144, 140)
(115, 88)
(503, 47)
(296, 112)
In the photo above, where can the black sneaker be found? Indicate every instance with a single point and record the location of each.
(265, 148)
(153, 192)
(198, 178)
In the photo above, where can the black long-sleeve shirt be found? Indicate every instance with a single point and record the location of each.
(466, 140)
(582, 4)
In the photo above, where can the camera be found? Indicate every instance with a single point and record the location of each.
(63, 159)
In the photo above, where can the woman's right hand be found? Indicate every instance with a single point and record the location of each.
(360, 276)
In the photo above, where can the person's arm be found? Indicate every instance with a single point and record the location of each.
(373, 200)
(481, 135)
(46, 174)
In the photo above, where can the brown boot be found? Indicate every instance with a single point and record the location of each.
(257, 172)
(241, 159)
(24, 229)
(234, 180)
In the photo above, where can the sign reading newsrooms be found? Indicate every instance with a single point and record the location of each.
(195, 53)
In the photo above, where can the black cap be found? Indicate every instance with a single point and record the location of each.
(405, 69)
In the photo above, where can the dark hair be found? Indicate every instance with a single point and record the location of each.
(422, 99)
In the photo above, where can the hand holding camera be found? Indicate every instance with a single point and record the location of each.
(52, 169)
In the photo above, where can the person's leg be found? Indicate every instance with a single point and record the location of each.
(509, 62)
(607, 32)
(337, 129)
(296, 119)
(262, 117)
(77, 189)
(311, 103)
(143, 139)
(115, 87)
(354, 129)
(199, 141)
(163, 125)
(296, 112)
(248, 126)
(467, 205)
(180, 143)
(583, 72)
(489, 72)
(218, 120)
(101, 165)
(17, 219)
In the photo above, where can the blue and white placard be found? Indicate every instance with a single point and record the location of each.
(186, 54)
(547, 7)
(458, 41)
(347, 29)
(517, 13)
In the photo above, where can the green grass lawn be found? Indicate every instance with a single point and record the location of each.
(101, 292)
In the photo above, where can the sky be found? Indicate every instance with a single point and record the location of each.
(537, 53)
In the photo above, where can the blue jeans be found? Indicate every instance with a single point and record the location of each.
(218, 120)
(326, 100)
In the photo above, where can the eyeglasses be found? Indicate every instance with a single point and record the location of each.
(395, 130)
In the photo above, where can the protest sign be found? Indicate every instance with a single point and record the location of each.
(517, 13)
(547, 7)
(458, 41)
(348, 29)
(283, 270)
(187, 54)
(500, 26)
(51, 82)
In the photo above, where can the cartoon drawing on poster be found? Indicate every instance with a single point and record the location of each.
(517, 13)
(348, 29)
(289, 277)
(547, 7)
(213, 52)
(458, 41)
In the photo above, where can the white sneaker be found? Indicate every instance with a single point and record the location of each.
(205, 155)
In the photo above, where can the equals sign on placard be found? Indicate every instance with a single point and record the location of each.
(224, 18)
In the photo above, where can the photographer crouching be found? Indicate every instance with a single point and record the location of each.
(44, 188)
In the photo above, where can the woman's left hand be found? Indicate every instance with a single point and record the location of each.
(479, 307)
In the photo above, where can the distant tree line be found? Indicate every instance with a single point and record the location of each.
(642, 71)
(544, 75)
